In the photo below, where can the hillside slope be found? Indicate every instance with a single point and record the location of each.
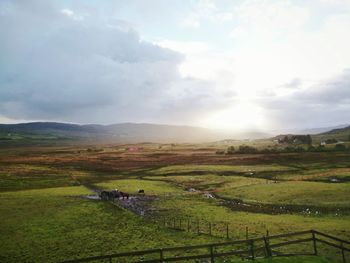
(341, 134)
(115, 132)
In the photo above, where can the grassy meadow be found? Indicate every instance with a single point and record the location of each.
(46, 215)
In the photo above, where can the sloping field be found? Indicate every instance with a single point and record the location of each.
(56, 224)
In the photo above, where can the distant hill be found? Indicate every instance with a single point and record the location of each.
(141, 132)
(316, 130)
(339, 131)
(115, 132)
(340, 134)
(122, 132)
(323, 129)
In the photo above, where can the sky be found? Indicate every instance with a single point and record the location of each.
(232, 65)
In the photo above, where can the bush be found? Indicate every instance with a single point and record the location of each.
(340, 147)
(247, 149)
(296, 139)
(321, 148)
(300, 149)
(311, 148)
(231, 150)
(329, 141)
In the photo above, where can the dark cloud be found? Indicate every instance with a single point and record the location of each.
(322, 104)
(59, 64)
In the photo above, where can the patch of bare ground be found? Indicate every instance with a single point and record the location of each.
(139, 204)
(276, 209)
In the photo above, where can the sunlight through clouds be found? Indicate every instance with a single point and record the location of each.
(219, 64)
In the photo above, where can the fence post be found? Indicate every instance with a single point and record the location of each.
(246, 232)
(314, 242)
(212, 260)
(251, 243)
(209, 228)
(267, 247)
(180, 224)
(227, 231)
(174, 223)
(197, 226)
(342, 252)
(161, 257)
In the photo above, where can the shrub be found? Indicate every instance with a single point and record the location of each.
(329, 141)
(321, 148)
(340, 147)
(230, 150)
(220, 152)
(246, 149)
(311, 148)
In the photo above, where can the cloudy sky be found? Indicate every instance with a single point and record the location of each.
(220, 64)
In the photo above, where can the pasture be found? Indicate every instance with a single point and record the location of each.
(47, 216)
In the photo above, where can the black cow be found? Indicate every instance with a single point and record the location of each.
(124, 195)
(111, 195)
(106, 195)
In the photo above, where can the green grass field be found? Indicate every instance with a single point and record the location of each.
(55, 224)
(293, 192)
(132, 186)
(46, 217)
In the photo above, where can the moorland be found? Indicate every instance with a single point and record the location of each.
(48, 211)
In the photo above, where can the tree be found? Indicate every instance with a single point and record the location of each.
(230, 150)
(340, 147)
(320, 148)
(329, 141)
(308, 139)
(247, 149)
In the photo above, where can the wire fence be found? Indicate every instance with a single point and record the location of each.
(298, 243)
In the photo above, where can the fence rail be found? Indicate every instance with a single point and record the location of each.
(248, 249)
(199, 226)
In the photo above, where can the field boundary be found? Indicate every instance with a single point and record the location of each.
(218, 229)
(261, 247)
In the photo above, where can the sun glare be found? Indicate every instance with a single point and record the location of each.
(240, 117)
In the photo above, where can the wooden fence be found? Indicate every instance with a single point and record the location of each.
(199, 226)
(266, 246)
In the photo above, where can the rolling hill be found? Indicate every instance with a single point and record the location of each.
(122, 132)
(134, 132)
(128, 132)
(340, 134)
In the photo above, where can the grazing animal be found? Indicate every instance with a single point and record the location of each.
(106, 195)
(111, 195)
(124, 195)
(116, 193)
(141, 191)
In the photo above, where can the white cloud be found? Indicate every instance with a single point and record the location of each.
(69, 13)
(205, 10)
(184, 47)
(88, 71)
(237, 32)
(191, 21)
(266, 15)
(88, 64)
